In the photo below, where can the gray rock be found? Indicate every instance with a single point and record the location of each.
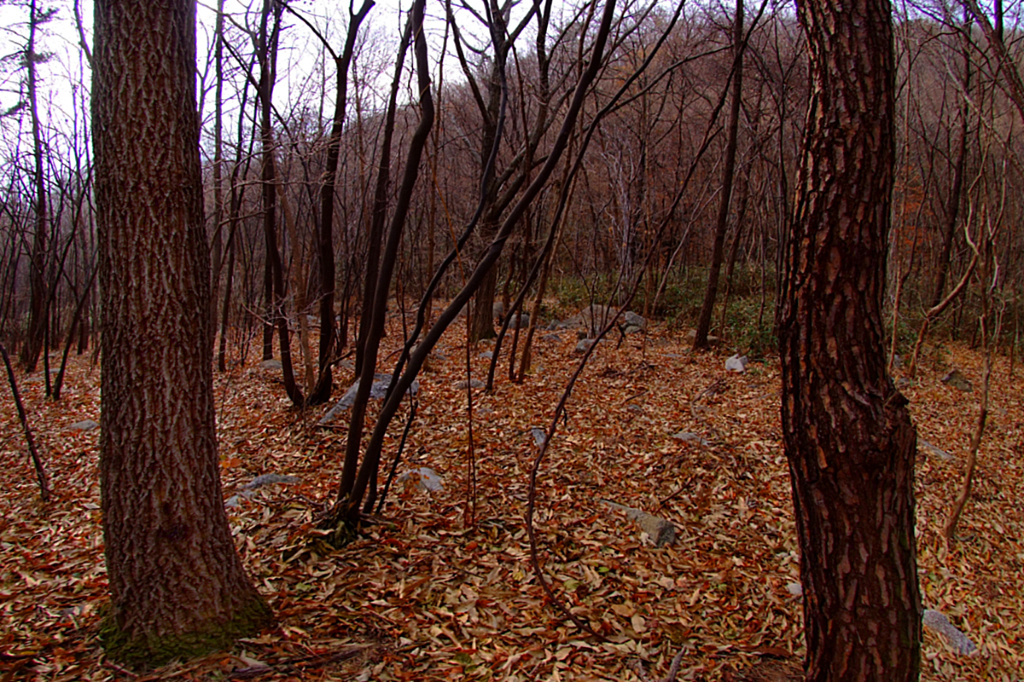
(377, 392)
(475, 383)
(498, 309)
(271, 364)
(84, 425)
(591, 318)
(661, 532)
(938, 452)
(520, 320)
(688, 437)
(958, 381)
(269, 479)
(795, 589)
(488, 354)
(249, 489)
(424, 478)
(632, 321)
(737, 363)
(691, 335)
(584, 345)
(539, 435)
(551, 337)
(957, 640)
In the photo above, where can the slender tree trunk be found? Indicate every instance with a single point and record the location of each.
(268, 319)
(222, 348)
(364, 483)
(217, 246)
(37, 272)
(956, 189)
(375, 234)
(178, 588)
(347, 510)
(482, 318)
(267, 49)
(37, 462)
(700, 340)
(848, 436)
(325, 243)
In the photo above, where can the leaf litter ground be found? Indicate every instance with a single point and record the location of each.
(427, 595)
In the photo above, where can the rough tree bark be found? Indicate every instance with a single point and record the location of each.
(177, 586)
(848, 436)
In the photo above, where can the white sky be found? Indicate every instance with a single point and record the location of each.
(300, 69)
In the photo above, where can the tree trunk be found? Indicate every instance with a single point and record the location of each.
(217, 246)
(482, 319)
(177, 586)
(325, 241)
(952, 213)
(848, 436)
(37, 270)
(700, 339)
(267, 51)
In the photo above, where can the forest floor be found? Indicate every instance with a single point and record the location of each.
(438, 591)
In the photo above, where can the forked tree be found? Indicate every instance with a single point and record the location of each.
(177, 585)
(848, 435)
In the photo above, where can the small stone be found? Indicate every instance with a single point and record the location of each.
(689, 437)
(584, 345)
(424, 478)
(957, 640)
(795, 589)
(271, 364)
(737, 363)
(270, 479)
(632, 323)
(938, 452)
(475, 383)
(84, 425)
(520, 320)
(660, 531)
(958, 381)
(378, 389)
(539, 435)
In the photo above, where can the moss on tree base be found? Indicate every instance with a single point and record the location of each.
(151, 651)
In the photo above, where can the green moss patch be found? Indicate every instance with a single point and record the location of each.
(150, 651)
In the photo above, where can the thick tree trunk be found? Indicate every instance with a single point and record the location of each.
(177, 586)
(848, 435)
